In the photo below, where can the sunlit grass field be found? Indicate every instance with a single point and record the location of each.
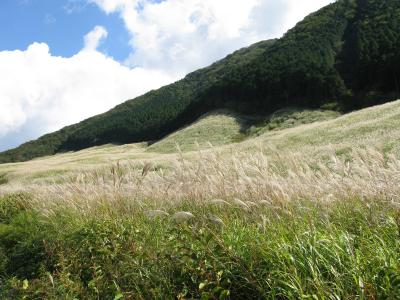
(269, 210)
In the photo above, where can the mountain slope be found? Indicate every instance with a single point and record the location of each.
(347, 53)
(376, 127)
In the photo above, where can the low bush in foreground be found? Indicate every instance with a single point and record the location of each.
(227, 250)
(3, 178)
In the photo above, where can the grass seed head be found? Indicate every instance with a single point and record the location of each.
(157, 213)
(266, 202)
(219, 202)
(251, 204)
(182, 216)
(239, 203)
(215, 220)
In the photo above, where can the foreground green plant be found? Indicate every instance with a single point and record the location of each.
(3, 178)
(302, 249)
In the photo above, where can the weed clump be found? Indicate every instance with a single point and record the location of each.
(13, 204)
(3, 178)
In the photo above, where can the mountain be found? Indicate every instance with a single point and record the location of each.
(346, 56)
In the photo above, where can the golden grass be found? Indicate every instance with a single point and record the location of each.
(243, 181)
(311, 145)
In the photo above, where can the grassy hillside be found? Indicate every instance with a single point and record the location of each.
(212, 130)
(300, 212)
(346, 54)
(215, 129)
(224, 127)
(375, 127)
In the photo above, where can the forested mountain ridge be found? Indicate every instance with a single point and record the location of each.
(345, 55)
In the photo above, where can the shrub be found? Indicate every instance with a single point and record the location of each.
(3, 178)
(13, 204)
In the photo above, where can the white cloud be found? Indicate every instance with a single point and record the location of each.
(93, 38)
(40, 93)
(182, 35)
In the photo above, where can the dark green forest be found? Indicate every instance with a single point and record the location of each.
(346, 55)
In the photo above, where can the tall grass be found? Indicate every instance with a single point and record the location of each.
(281, 177)
(243, 227)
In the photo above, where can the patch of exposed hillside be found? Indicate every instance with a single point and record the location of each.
(214, 129)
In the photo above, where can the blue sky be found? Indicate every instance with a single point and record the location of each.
(62, 61)
(61, 24)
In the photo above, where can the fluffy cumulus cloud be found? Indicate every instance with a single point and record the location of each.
(182, 35)
(40, 92)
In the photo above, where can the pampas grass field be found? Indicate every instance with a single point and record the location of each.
(309, 212)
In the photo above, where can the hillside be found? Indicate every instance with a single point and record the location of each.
(310, 211)
(223, 128)
(214, 129)
(347, 55)
(374, 127)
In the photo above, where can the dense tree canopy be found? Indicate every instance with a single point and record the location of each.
(347, 53)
